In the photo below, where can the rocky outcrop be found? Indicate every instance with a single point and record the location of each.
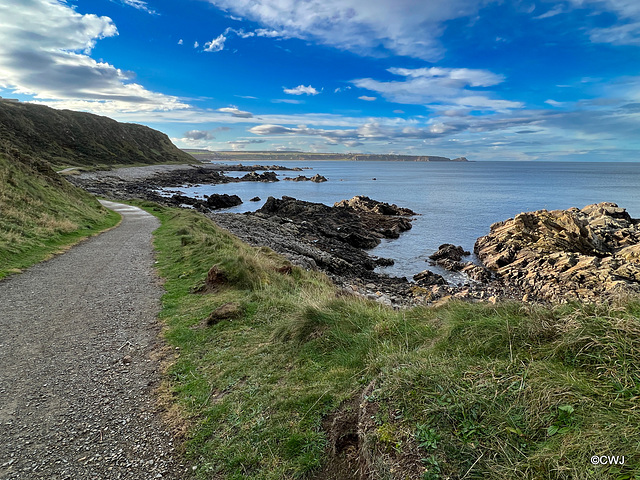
(260, 177)
(428, 278)
(364, 204)
(216, 201)
(317, 178)
(589, 254)
(449, 257)
(211, 202)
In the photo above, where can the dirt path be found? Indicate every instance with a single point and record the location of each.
(76, 376)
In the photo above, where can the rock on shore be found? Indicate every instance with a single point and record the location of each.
(589, 254)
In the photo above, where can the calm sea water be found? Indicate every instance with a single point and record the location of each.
(457, 202)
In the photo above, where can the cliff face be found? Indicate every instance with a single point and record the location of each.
(64, 137)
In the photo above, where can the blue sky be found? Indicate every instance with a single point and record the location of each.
(489, 80)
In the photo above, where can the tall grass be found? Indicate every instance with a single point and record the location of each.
(40, 213)
(462, 391)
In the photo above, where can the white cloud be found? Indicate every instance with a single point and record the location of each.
(196, 44)
(627, 29)
(45, 49)
(199, 135)
(301, 90)
(367, 99)
(287, 100)
(463, 76)
(403, 27)
(554, 103)
(440, 86)
(140, 5)
(557, 10)
(215, 45)
(235, 112)
(263, 32)
(399, 112)
(180, 42)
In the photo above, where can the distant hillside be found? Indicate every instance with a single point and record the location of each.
(64, 137)
(206, 155)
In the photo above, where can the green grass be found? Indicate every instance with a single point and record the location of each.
(462, 391)
(41, 214)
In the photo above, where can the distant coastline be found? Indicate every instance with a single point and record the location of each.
(230, 156)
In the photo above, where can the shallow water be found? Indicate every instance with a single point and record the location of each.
(457, 202)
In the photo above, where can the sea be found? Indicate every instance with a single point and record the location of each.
(456, 202)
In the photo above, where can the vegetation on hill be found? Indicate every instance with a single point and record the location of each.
(280, 376)
(67, 138)
(40, 212)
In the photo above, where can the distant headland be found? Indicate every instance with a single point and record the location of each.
(231, 156)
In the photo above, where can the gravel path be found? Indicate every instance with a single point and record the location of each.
(76, 377)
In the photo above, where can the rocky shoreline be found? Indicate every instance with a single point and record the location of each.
(592, 254)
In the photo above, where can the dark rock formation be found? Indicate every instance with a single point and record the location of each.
(301, 178)
(217, 201)
(317, 178)
(364, 204)
(260, 177)
(428, 278)
(449, 251)
(589, 254)
(254, 199)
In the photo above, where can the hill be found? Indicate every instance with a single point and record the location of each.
(40, 212)
(67, 138)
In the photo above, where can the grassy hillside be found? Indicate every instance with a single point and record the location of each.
(291, 379)
(67, 138)
(40, 212)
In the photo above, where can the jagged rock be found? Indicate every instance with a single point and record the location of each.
(589, 254)
(477, 272)
(450, 252)
(317, 178)
(364, 204)
(427, 278)
(254, 199)
(260, 177)
(301, 178)
(384, 262)
(216, 201)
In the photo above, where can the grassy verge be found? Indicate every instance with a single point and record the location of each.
(41, 214)
(299, 382)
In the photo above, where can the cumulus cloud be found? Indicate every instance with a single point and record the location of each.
(440, 86)
(403, 27)
(235, 112)
(45, 49)
(199, 135)
(180, 42)
(215, 45)
(301, 90)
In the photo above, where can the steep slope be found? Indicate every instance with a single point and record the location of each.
(64, 137)
(40, 212)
